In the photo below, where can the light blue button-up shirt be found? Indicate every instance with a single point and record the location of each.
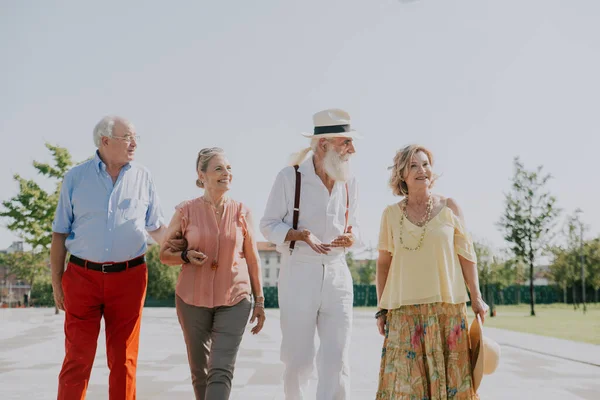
(107, 222)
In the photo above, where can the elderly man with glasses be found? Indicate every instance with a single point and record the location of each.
(106, 206)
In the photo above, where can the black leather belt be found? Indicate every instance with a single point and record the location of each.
(108, 267)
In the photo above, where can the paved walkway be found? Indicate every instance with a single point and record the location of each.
(32, 348)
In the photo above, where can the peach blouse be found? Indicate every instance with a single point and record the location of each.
(223, 280)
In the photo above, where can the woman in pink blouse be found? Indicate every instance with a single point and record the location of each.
(220, 271)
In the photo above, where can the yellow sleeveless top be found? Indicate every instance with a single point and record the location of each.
(432, 273)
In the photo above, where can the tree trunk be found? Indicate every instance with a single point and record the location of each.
(518, 294)
(531, 288)
(574, 297)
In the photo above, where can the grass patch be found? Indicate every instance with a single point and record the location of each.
(554, 320)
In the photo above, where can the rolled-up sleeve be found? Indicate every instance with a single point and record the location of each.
(154, 215)
(354, 215)
(272, 224)
(63, 217)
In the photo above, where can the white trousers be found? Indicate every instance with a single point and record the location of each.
(315, 294)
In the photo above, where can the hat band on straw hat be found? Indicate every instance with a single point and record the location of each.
(321, 130)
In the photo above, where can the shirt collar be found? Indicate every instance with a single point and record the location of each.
(308, 167)
(100, 166)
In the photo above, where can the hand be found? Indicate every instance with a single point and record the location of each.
(259, 315)
(196, 257)
(59, 296)
(314, 243)
(381, 321)
(177, 242)
(345, 240)
(479, 307)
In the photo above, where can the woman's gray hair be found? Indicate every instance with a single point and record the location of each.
(204, 157)
(106, 126)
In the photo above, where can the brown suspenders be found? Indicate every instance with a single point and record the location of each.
(297, 206)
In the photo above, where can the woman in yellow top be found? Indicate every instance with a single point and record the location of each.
(425, 259)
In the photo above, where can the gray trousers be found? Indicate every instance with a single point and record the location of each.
(212, 337)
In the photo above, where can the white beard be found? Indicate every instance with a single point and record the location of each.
(336, 166)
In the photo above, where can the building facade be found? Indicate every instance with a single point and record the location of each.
(270, 261)
(12, 290)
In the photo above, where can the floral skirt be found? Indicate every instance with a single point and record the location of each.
(425, 354)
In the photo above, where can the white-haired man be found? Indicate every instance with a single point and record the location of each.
(106, 205)
(311, 216)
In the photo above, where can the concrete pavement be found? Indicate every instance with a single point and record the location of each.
(32, 348)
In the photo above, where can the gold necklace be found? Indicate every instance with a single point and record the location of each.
(216, 207)
(215, 263)
(423, 221)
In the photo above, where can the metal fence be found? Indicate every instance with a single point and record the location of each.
(366, 296)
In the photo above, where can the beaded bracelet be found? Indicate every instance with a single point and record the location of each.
(381, 313)
(259, 302)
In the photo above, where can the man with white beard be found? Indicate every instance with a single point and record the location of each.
(311, 216)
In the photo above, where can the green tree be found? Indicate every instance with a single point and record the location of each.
(161, 278)
(574, 252)
(27, 265)
(352, 266)
(484, 270)
(31, 211)
(506, 275)
(561, 270)
(529, 215)
(592, 261)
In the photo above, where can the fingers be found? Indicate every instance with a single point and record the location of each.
(177, 244)
(319, 248)
(197, 255)
(381, 327)
(60, 303)
(260, 322)
(197, 261)
(349, 229)
(341, 242)
(322, 248)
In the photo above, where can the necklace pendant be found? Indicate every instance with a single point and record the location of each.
(214, 265)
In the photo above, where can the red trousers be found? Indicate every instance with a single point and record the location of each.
(90, 295)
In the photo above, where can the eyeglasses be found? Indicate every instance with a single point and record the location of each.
(128, 138)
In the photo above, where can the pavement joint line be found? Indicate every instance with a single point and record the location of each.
(550, 355)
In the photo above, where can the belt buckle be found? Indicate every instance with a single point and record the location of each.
(105, 265)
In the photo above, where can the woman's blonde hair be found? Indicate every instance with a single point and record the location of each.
(401, 165)
(204, 157)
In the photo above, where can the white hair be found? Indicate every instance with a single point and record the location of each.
(336, 166)
(105, 128)
(299, 157)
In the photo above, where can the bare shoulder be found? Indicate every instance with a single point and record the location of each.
(453, 205)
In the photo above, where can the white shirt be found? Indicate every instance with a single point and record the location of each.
(324, 215)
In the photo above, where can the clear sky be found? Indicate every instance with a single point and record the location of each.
(477, 81)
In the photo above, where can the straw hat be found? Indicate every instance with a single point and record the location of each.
(332, 123)
(485, 353)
